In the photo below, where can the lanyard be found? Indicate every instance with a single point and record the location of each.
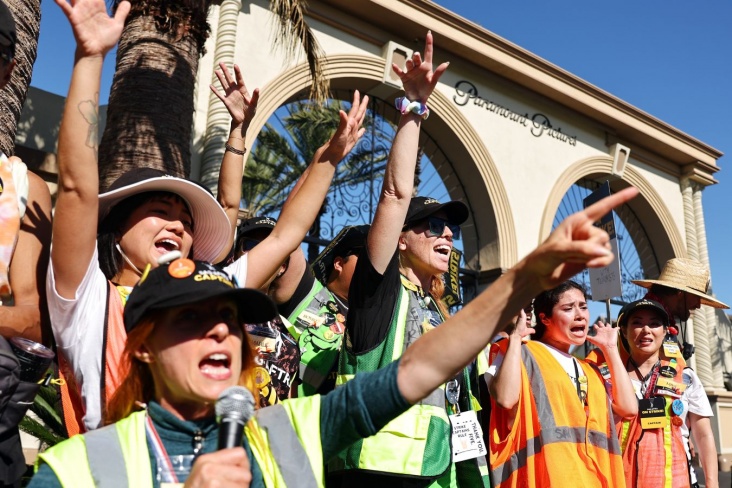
(577, 382)
(646, 391)
(161, 455)
(165, 466)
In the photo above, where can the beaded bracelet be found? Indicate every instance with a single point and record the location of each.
(230, 148)
(405, 105)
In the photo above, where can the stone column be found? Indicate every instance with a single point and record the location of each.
(217, 124)
(687, 194)
(716, 377)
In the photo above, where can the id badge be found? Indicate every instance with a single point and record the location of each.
(671, 349)
(652, 412)
(669, 387)
(467, 437)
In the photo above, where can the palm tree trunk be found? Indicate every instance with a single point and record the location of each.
(150, 113)
(27, 14)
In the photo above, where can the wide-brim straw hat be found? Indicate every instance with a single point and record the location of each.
(686, 275)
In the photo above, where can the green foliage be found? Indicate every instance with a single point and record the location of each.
(282, 154)
(46, 405)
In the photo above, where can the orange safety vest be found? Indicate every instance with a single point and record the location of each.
(554, 440)
(652, 458)
(115, 337)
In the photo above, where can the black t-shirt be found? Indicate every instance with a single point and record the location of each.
(372, 298)
(303, 288)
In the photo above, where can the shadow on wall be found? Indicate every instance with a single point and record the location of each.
(724, 337)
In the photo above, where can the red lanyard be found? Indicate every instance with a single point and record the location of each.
(646, 391)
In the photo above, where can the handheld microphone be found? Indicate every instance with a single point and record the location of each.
(234, 408)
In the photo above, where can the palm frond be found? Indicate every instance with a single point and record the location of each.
(293, 30)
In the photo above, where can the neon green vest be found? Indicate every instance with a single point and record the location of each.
(285, 441)
(417, 443)
(319, 345)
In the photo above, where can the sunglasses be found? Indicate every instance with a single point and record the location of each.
(437, 226)
(6, 56)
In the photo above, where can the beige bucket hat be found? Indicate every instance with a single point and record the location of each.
(686, 275)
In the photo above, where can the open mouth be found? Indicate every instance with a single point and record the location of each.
(645, 342)
(578, 330)
(443, 249)
(216, 366)
(167, 245)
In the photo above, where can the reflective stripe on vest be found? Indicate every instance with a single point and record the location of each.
(103, 456)
(294, 464)
(103, 451)
(416, 443)
(535, 435)
(278, 439)
(655, 457)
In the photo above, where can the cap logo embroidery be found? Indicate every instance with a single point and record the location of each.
(181, 268)
(430, 201)
(206, 275)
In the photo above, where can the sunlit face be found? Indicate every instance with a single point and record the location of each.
(644, 332)
(194, 353)
(569, 321)
(161, 224)
(420, 250)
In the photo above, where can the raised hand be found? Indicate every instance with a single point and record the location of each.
(242, 105)
(605, 337)
(521, 326)
(576, 244)
(349, 130)
(95, 31)
(418, 79)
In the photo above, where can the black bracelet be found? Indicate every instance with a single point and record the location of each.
(230, 148)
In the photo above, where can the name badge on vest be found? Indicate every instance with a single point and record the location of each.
(171, 485)
(652, 412)
(467, 437)
(669, 387)
(671, 349)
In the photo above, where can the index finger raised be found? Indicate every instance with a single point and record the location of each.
(597, 210)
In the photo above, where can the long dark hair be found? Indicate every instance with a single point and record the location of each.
(110, 229)
(545, 301)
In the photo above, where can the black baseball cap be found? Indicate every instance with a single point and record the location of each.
(255, 223)
(643, 303)
(185, 281)
(348, 239)
(7, 28)
(422, 207)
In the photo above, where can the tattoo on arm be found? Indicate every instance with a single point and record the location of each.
(89, 109)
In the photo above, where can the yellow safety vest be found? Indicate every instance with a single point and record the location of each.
(285, 441)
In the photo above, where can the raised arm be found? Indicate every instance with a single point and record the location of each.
(77, 205)
(303, 206)
(242, 107)
(419, 81)
(506, 385)
(26, 318)
(574, 245)
(625, 403)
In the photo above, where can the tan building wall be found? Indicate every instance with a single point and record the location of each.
(512, 172)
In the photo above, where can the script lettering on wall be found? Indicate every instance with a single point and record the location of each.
(538, 124)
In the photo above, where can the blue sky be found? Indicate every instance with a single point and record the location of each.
(669, 58)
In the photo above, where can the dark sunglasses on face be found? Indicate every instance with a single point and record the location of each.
(437, 227)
